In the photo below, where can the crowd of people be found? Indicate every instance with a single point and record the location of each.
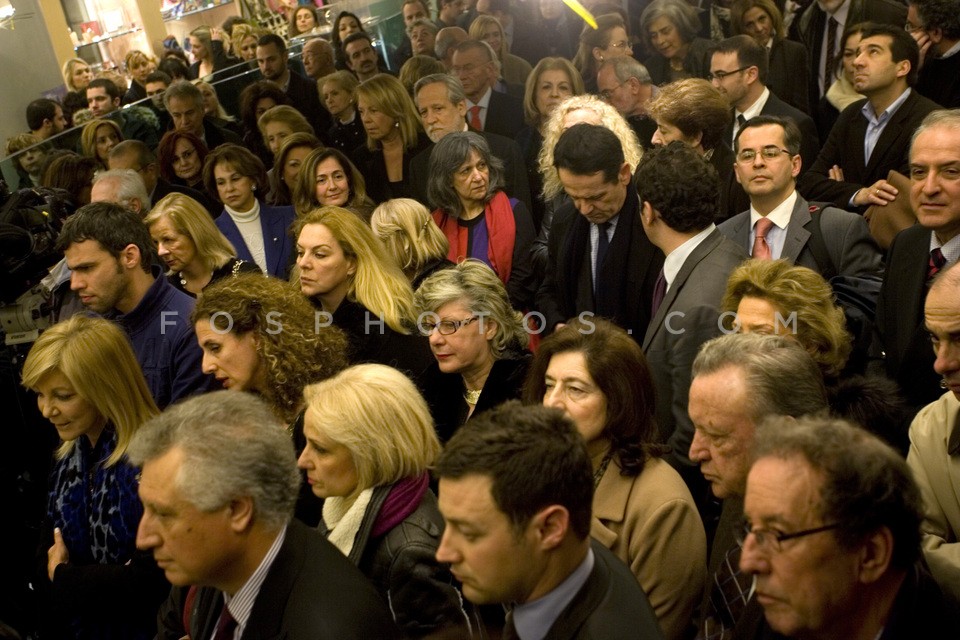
(533, 329)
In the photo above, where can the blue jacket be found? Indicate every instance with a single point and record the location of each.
(277, 243)
(163, 339)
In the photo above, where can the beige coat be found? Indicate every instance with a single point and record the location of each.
(652, 524)
(938, 474)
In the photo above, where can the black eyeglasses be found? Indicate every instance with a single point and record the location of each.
(769, 540)
(769, 152)
(720, 75)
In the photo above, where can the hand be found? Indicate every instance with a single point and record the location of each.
(835, 173)
(57, 554)
(924, 42)
(216, 34)
(880, 193)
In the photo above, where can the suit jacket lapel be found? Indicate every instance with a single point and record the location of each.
(797, 235)
(272, 224)
(235, 237)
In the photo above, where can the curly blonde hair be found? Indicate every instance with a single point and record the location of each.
(821, 324)
(607, 117)
(299, 353)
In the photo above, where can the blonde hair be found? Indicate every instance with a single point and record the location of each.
(388, 94)
(378, 283)
(88, 137)
(136, 58)
(345, 80)
(821, 324)
(286, 114)
(389, 439)
(553, 129)
(67, 71)
(191, 219)
(241, 32)
(95, 356)
(410, 234)
(480, 289)
(477, 27)
(532, 115)
(221, 112)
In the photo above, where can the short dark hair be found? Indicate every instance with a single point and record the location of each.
(159, 76)
(252, 94)
(272, 38)
(534, 457)
(174, 67)
(749, 54)
(939, 14)
(111, 88)
(620, 371)
(145, 157)
(791, 132)
(112, 225)
(680, 185)
(353, 37)
(39, 110)
(585, 149)
(902, 46)
(866, 484)
(243, 162)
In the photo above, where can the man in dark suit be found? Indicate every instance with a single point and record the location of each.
(476, 66)
(813, 28)
(303, 94)
(599, 259)
(516, 491)
(442, 105)
(935, 25)
(218, 485)
(184, 103)
(135, 155)
(678, 199)
(739, 68)
(918, 252)
(789, 227)
(871, 136)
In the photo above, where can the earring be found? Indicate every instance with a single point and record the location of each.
(254, 187)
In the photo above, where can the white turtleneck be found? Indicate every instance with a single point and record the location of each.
(248, 222)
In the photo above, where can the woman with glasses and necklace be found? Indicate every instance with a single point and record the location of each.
(478, 340)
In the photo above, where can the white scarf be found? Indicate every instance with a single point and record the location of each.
(344, 520)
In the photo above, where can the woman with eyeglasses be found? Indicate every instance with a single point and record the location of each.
(608, 40)
(478, 340)
(181, 155)
(669, 29)
(642, 510)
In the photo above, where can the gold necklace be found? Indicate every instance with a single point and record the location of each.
(472, 396)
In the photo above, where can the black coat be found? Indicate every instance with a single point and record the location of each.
(505, 115)
(165, 188)
(789, 73)
(374, 170)
(305, 98)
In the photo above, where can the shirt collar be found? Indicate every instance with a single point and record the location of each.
(951, 250)
(241, 603)
(534, 619)
(757, 106)
(867, 109)
(674, 261)
(483, 102)
(780, 216)
(951, 51)
(840, 15)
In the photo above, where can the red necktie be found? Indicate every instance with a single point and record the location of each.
(937, 262)
(225, 625)
(761, 250)
(475, 118)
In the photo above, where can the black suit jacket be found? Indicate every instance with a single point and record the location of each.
(306, 99)
(789, 73)
(506, 150)
(609, 606)
(901, 334)
(811, 25)
(561, 297)
(844, 147)
(738, 200)
(165, 188)
(311, 592)
(371, 165)
(505, 115)
(215, 135)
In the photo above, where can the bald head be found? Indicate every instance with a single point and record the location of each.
(447, 40)
(318, 58)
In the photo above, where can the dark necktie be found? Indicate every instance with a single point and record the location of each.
(603, 243)
(741, 121)
(829, 67)
(509, 628)
(659, 292)
(225, 625)
(937, 262)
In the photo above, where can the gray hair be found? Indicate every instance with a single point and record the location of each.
(233, 447)
(130, 186)
(423, 22)
(782, 378)
(183, 89)
(866, 485)
(455, 92)
(625, 67)
(948, 118)
(447, 38)
(445, 159)
(480, 289)
(682, 15)
(466, 45)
